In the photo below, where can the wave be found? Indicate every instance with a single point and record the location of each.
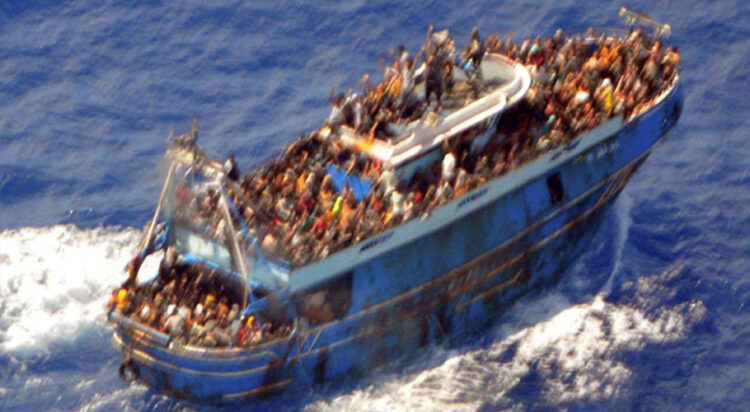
(56, 280)
(563, 353)
(552, 349)
(622, 210)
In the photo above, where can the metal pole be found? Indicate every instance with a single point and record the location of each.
(239, 256)
(146, 242)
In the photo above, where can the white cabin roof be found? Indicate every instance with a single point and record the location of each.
(510, 80)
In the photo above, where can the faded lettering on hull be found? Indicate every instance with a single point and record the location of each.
(472, 197)
(374, 242)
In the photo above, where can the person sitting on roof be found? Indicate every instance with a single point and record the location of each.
(536, 54)
(432, 83)
(407, 84)
(359, 113)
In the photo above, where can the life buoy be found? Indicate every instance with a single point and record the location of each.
(128, 371)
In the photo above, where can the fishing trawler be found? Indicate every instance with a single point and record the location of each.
(331, 299)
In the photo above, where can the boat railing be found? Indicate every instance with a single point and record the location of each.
(162, 340)
(642, 19)
(598, 32)
(607, 32)
(129, 325)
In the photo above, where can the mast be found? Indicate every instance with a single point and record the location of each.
(146, 242)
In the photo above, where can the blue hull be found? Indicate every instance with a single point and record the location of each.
(448, 275)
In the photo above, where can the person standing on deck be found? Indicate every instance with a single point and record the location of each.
(231, 169)
(449, 167)
(474, 53)
(432, 83)
(432, 69)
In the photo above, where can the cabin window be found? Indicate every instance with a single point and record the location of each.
(328, 301)
(556, 190)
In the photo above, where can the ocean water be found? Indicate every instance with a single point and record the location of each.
(654, 316)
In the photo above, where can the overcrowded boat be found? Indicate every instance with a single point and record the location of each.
(424, 205)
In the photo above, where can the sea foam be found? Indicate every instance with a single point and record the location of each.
(567, 352)
(55, 281)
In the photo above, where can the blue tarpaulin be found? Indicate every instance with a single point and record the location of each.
(361, 187)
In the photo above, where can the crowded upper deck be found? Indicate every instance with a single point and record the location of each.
(292, 210)
(300, 215)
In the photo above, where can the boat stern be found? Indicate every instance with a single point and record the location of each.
(205, 375)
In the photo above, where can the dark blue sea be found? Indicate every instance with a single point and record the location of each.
(654, 316)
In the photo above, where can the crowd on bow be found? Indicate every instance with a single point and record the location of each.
(581, 81)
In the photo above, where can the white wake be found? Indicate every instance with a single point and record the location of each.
(573, 351)
(55, 281)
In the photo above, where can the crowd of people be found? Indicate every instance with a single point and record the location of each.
(292, 210)
(194, 306)
(298, 214)
(395, 100)
(581, 81)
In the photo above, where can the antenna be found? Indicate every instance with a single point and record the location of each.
(194, 132)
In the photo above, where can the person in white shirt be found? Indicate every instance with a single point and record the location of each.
(449, 166)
